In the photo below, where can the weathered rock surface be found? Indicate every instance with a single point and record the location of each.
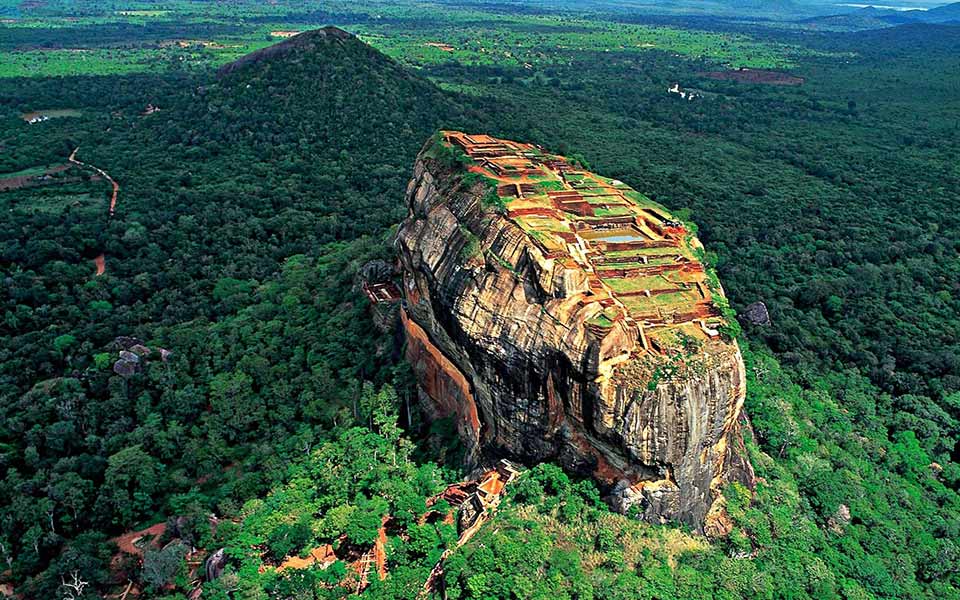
(214, 565)
(503, 335)
(133, 356)
(757, 313)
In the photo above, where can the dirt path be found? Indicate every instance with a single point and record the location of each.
(128, 541)
(100, 261)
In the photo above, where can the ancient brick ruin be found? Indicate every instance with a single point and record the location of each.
(640, 262)
(558, 315)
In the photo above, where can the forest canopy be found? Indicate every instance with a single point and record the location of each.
(271, 414)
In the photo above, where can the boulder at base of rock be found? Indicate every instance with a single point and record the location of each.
(757, 314)
(216, 562)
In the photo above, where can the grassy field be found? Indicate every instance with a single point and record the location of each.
(120, 61)
(102, 38)
(54, 113)
(639, 284)
(540, 41)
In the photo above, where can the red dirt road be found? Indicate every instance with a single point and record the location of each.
(100, 261)
(104, 174)
(127, 541)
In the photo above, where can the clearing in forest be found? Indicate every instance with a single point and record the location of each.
(30, 177)
(42, 115)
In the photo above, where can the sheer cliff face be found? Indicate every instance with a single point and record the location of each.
(558, 315)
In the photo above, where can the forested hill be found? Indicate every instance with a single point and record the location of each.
(303, 46)
(948, 13)
(236, 245)
(313, 108)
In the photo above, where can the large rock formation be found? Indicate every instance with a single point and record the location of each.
(559, 315)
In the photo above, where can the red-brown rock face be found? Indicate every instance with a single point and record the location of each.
(559, 315)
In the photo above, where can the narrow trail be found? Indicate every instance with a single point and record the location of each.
(100, 261)
(487, 496)
(436, 574)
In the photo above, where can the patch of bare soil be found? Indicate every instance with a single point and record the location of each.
(101, 260)
(133, 542)
(441, 46)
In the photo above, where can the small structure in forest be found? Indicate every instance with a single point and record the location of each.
(486, 497)
(685, 94)
(381, 292)
(134, 355)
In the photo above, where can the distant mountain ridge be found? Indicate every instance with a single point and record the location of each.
(949, 13)
(872, 17)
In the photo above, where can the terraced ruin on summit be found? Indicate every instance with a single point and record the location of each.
(558, 315)
(641, 262)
